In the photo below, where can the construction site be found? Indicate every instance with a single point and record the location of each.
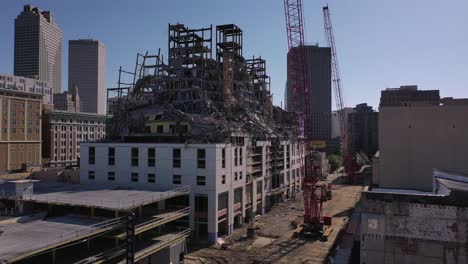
(197, 166)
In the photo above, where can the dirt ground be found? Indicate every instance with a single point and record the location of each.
(274, 241)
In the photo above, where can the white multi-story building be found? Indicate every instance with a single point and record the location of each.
(86, 70)
(29, 85)
(38, 47)
(335, 120)
(230, 183)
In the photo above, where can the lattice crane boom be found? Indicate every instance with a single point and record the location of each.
(337, 88)
(298, 84)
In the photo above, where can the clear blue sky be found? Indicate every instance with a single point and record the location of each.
(380, 43)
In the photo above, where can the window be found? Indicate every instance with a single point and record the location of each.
(223, 179)
(160, 129)
(111, 176)
(240, 175)
(176, 158)
(151, 157)
(235, 156)
(91, 175)
(152, 177)
(134, 157)
(240, 156)
(177, 179)
(134, 177)
(201, 180)
(91, 155)
(111, 156)
(201, 153)
(223, 158)
(235, 176)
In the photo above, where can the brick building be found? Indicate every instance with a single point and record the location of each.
(20, 129)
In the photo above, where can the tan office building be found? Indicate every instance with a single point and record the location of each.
(20, 129)
(417, 138)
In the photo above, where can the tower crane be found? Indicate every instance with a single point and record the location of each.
(348, 157)
(298, 84)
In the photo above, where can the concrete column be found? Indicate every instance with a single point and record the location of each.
(212, 217)
(53, 256)
(231, 211)
(162, 205)
(192, 210)
(92, 211)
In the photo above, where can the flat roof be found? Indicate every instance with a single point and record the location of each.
(401, 191)
(104, 197)
(20, 239)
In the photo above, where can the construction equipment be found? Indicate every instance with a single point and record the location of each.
(348, 157)
(298, 83)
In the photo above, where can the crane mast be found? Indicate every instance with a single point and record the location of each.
(298, 84)
(348, 159)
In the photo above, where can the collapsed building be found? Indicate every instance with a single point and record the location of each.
(204, 118)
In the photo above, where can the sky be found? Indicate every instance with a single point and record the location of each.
(380, 44)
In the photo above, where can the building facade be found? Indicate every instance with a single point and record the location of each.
(67, 101)
(230, 183)
(415, 139)
(29, 85)
(86, 70)
(335, 120)
(63, 132)
(20, 129)
(363, 130)
(409, 95)
(38, 47)
(320, 91)
(407, 226)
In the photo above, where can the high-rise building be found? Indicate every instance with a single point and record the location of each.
(318, 62)
(335, 120)
(20, 129)
(38, 47)
(68, 100)
(86, 70)
(363, 130)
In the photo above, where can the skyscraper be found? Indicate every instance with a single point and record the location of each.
(318, 63)
(38, 47)
(86, 70)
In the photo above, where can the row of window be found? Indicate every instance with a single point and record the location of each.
(151, 177)
(176, 157)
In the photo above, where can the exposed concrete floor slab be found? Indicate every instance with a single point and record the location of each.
(20, 238)
(98, 197)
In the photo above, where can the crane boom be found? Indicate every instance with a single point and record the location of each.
(348, 160)
(298, 84)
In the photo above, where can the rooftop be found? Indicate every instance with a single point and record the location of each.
(19, 237)
(104, 197)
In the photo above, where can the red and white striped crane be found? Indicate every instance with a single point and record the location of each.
(298, 84)
(348, 156)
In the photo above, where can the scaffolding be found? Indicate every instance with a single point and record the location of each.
(191, 81)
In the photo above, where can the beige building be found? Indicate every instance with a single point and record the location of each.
(86, 70)
(417, 138)
(64, 131)
(20, 129)
(38, 47)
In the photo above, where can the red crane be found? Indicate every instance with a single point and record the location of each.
(348, 157)
(297, 82)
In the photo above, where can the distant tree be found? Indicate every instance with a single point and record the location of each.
(336, 161)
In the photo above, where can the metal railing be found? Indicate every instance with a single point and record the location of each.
(113, 204)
